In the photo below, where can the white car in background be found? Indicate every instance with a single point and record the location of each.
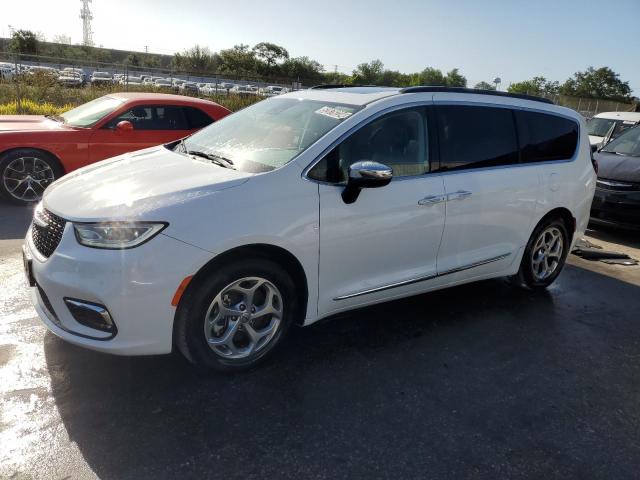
(101, 78)
(303, 206)
(244, 90)
(214, 89)
(272, 90)
(69, 78)
(130, 80)
(7, 71)
(163, 83)
(606, 126)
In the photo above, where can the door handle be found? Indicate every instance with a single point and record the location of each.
(459, 195)
(431, 200)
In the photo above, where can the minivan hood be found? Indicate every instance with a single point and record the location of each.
(618, 167)
(137, 185)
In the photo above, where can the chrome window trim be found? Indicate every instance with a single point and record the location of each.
(437, 102)
(422, 278)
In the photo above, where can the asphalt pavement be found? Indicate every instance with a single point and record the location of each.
(478, 381)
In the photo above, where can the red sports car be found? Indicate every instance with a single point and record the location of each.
(36, 150)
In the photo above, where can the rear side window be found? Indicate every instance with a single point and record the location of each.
(546, 137)
(197, 118)
(475, 137)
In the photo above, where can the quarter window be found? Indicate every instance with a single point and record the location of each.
(166, 117)
(546, 137)
(197, 118)
(475, 137)
(397, 140)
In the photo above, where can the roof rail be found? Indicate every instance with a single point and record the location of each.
(327, 86)
(475, 91)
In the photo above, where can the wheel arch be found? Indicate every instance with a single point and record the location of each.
(258, 250)
(48, 153)
(565, 215)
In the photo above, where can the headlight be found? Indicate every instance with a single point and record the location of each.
(116, 235)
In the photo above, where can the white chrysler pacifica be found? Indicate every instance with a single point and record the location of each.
(302, 206)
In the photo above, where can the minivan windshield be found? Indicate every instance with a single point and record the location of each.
(92, 112)
(626, 144)
(270, 133)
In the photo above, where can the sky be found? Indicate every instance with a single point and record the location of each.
(514, 40)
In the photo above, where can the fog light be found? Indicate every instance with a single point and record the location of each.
(92, 315)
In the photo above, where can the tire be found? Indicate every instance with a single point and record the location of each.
(542, 262)
(221, 344)
(25, 173)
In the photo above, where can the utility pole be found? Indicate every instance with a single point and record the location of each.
(146, 49)
(86, 16)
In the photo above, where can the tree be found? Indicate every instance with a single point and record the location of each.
(270, 53)
(431, 77)
(24, 41)
(238, 60)
(368, 73)
(484, 86)
(535, 86)
(600, 83)
(133, 60)
(195, 59)
(455, 79)
(302, 68)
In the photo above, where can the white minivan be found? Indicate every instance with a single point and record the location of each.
(302, 206)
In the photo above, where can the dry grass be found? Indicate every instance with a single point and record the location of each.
(43, 96)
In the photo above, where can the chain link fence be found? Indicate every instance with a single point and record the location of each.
(30, 80)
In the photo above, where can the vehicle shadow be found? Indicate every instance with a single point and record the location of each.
(482, 378)
(611, 235)
(14, 220)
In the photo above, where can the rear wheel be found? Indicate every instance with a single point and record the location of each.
(236, 318)
(544, 256)
(25, 174)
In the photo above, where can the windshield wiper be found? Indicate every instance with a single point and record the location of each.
(57, 118)
(217, 159)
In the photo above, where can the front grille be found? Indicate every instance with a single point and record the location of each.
(617, 185)
(46, 231)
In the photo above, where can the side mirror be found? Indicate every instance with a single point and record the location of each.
(124, 126)
(594, 148)
(365, 174)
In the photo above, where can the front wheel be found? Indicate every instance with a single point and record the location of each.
(25, 174)
(237, 317)
(545, 255)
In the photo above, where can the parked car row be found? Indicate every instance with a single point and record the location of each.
(76, 77)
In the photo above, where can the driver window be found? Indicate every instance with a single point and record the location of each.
(143, 117)
(397, 140)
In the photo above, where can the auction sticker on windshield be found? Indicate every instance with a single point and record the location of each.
(334, 112)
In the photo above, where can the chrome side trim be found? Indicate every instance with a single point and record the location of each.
(423, 278)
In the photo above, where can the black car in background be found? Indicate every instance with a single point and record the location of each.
(617, 198)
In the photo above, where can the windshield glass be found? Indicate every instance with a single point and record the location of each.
(599, 126)
(626, 144)
(270, 133)
(90, 113)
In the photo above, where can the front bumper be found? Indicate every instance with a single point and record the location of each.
(135, 285)
(616, 208)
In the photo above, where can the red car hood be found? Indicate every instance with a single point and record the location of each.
(12, 123)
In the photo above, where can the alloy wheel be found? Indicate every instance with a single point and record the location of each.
(547, 253)
(243, 318)
(26, 178)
